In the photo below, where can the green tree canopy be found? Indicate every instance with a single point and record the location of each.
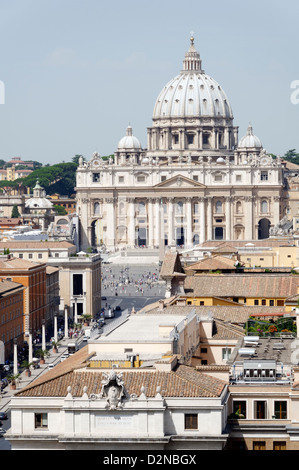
(15, 212)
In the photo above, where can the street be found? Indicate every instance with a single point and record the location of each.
(123, 286)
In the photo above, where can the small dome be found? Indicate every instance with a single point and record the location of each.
(250, 140)
(129, 141)
(220, 160)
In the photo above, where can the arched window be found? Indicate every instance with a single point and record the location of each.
(218, 207)
(141, 208)
(264, 207)
(97, 209)
(179, 208)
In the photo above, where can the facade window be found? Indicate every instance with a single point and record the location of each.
(280, 410)
(96, 177)
(239, 408)
(195, 178)
(141, 179)
(264, 207)
(226, 353)
(179, 208)
(121, 179)
(279, 445)
(30, 256)
(191, 421)
(175, 139)
(141, 208)
(239, 207)
(264, 176)
(163, 178)
(271, 303)
(21, 255)
(218, 177)
(256, 301)
(239, 178)
(190, 139)
(40, 420)
(218, 207)
(259, 445)
(77, 284)
(205, 139)
(40, 255)
(96, 208)
(260, 409)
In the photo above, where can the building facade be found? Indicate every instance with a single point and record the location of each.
(11, 315)
(195, 181)
(33, 277)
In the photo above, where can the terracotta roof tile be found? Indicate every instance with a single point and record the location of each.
(185, 381)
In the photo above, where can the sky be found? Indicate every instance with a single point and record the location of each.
(75, 73)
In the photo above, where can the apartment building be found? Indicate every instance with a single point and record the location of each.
(32, 276)
(11, 314)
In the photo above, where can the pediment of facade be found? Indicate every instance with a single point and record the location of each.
(181, 182)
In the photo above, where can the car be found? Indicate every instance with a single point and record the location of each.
(2, 432)
(117, 308)
(86, 338)
(3, 415)
(50, 366)
(104, 298)
(64, 356)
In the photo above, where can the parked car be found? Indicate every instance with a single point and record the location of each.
(64, 356)
(3, 415)
(50, 366)
(2, 432)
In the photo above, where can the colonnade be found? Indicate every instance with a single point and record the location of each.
(163, 217)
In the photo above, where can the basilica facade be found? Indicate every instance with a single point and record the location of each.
(195, 181)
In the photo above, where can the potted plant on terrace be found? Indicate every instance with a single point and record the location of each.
(12, 379)
(26, 365)
(55, 347)
(42, 354)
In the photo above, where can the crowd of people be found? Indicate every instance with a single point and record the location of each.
(129, 281)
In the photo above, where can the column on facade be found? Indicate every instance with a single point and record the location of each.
(209, 220)
(189, 222)
(131, 227)
(66, 325)
(199, 139)
(248, 220)
(43, 335)
(171, 237)
(30, 354)
(15, 358)
(228, 217)
(150, 241)
(110, 210)
(157, 222)
(202, 232)
(276, 210)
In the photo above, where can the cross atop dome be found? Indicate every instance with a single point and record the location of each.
(192, 61)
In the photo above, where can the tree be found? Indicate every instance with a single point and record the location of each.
(15, 212)
(59, 210)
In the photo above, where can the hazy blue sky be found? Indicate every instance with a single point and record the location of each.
(76, 72)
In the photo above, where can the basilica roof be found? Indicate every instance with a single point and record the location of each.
(192, 93)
